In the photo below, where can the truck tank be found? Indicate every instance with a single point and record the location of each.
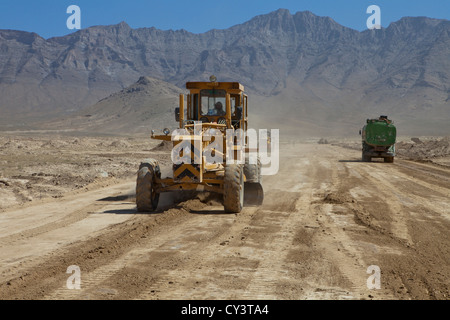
(378, 139)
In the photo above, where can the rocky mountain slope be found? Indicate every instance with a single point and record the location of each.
(146, 105)
(314, 71)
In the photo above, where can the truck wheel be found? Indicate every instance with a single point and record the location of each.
(233, 193)
(366, 158)
(147, 198)
(389, 160)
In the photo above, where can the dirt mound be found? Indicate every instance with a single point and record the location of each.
(163, 146)
(12, 144)
(419, 149)
(54, 144)
(337, 198)
(120, 144)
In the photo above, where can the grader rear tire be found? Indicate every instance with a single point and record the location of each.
(147, 198)
(233, 196)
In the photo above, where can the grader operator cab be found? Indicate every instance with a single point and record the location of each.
(210, 150)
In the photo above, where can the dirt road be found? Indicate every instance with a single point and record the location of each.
(326, 219)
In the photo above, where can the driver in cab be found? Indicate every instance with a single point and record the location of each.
(219, 109)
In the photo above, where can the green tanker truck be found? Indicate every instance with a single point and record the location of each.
(378, 139)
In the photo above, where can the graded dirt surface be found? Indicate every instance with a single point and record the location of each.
(327, 217)
(35, 168)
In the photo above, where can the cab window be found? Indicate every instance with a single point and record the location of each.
(213, 102)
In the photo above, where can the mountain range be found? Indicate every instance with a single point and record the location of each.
(303, 72)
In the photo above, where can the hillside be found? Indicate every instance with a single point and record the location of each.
(316, 72)
(145, 105)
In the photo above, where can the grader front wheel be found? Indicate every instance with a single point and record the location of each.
(233, 196)
(147, 198)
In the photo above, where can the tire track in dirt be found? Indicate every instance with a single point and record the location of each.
(405, 202)
(439, 184)
(20, 224)
(271, 267)
(420, 273)
(195, 274)
(71, 218)
(391, 215)
(424, 171)
(323, 223)
(348, 259)
(164, 283)
(252, 257)
(165, 245)
(216, 258)
(407, 193)
(25, 248)
(101, 249)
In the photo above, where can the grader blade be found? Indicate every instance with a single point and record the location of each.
(253, 194)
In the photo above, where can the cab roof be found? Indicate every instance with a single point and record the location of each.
(216, 85)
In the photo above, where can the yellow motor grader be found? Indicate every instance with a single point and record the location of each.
(211, 150)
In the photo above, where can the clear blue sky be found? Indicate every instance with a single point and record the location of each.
(48, 17)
